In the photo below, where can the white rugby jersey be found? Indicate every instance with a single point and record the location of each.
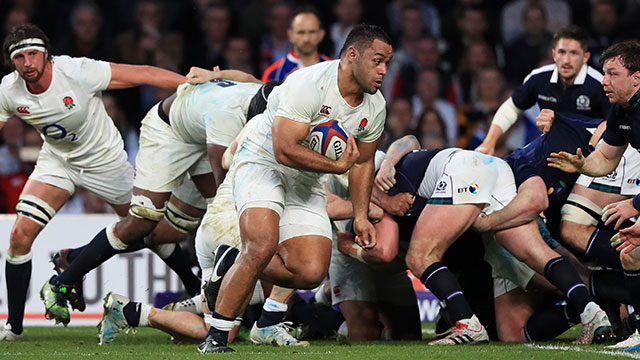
(311, 95)
(211, 113)
(70, 114)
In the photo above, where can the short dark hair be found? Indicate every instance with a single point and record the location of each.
(362, 36)
(628, 53)
(572, 32)
(259, 101)
(19, 33)
(306, 9)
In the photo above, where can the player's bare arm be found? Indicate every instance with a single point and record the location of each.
(198, 75)
(544, 120)
(341, 209)
(619, 212)
(599, 163)
(360, 184)
(505, 117)
(125, 76)
(385, 179)
(288, 136)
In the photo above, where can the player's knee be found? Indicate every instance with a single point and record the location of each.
(309, 276)
(630, 261)
(510, 332)
(387, 254)
(258, 252)
(21, 240)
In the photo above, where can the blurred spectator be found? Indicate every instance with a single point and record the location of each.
(472, 27)
(14, 170)
(603, 31)
(86, 38)
(431, 131)
(275, 43)
(404, 48)
(149, 40)
(428, 13)
(84, 203)
(558, 15)
(486, 97)
(129, 132)
(237, 55)
(427, 97)
(348, 13)
(523, 54)
(305, 33)
(399, 120)
(476, 57)
(15, 17)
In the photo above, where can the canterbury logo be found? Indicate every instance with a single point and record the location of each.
(23, 110)
(324, 111)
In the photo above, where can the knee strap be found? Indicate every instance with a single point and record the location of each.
(142, 207)
(580, 210)
(34, 208)
(179, 220)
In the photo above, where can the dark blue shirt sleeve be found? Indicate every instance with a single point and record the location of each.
(524, 96)
(612, 135)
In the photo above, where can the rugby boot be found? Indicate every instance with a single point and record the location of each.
(60, 264)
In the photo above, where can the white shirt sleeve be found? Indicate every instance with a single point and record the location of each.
(5, 112)
(374, 131)
(299, 101)
(92, 75)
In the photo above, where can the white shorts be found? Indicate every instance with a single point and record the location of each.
(164, 159)
(470, 177)
(219, 226)
(352, 280)
(624, 180)
(188, 193)
(300, 204)
(113, 182)
(507, 271)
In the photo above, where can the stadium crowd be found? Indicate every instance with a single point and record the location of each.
(489, 76)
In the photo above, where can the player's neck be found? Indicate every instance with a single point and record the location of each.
(566, 82)
(40, 86)
(348, 86)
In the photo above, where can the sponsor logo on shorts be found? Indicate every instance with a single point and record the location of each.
(612, 176)
(336, 290)
(473, 189)
(635, 182)
(624, 127)
(23, 110)
(583, 103)
(441, 187)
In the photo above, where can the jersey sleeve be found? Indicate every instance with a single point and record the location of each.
(524, 96)
(222, 132)
(299, 100)
(612, 134)
(92, 75)
(5, 112)
(373, 132)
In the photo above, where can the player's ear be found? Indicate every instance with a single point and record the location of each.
(636, 78)
(352, 54)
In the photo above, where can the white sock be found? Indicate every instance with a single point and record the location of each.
(144, 314)
(274, 306)
(589, 312)
(320, 296)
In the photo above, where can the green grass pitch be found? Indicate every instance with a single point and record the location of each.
(82, 342)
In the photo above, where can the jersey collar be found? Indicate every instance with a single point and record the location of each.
(635, 100)
(582, 75)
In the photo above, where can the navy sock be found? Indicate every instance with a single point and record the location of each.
(17, 277)
(632, 281)
(74, 253)
(96, 252)
(178, 262)
(549, 322)
(444, 285)
(268, 318)
(609, 285)
(564, 276)
(599, 248)
(131, 313)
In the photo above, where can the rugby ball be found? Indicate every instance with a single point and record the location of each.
(329, 139)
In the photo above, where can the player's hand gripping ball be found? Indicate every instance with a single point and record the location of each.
(329, 139)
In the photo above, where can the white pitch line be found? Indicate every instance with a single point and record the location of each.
(580, 349)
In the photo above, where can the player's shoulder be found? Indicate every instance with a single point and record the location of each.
(322, 71)
(377, 100)
(593, 75)
(542, 73)
(10, 81)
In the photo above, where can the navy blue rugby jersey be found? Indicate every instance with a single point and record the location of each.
(410, 171)
(585, 97)
(623, 124)
(568, 132)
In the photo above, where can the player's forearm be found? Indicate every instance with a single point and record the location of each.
(236, 75)
(400, 148)
(506, 115)
(516, 213)
(337, 207)
(302, 158)
(126, 76)
(360, 184)
(596, 164)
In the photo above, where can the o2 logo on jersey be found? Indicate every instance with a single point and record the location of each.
(58, 132)
(68, 102)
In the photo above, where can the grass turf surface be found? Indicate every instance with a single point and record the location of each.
(82, 342)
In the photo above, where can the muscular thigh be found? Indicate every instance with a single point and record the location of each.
(600, 198)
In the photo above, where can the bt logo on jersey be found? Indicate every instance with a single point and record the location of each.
(23, 110)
